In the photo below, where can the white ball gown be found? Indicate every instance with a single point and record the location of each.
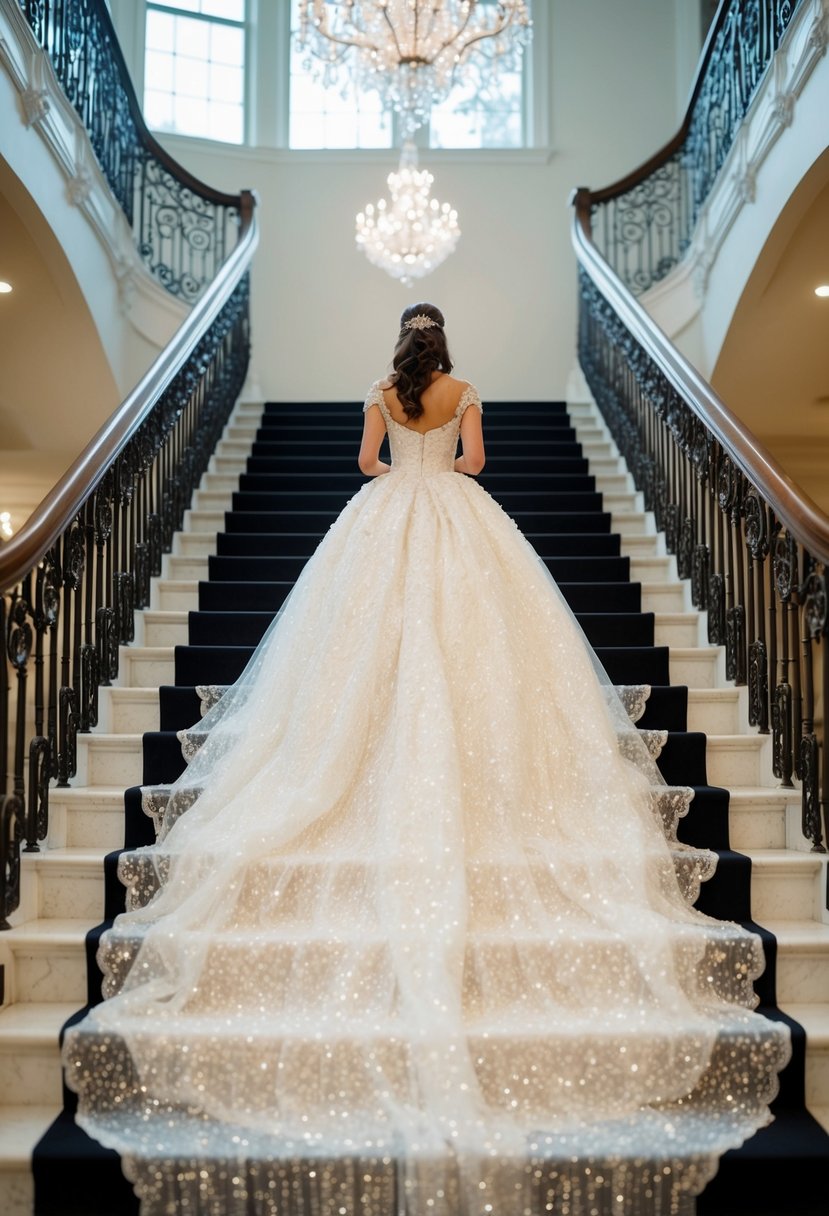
(416, 936)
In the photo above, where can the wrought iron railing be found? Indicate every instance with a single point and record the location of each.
(754, 546)
(73, 577)
(183, 228)
(643, 224)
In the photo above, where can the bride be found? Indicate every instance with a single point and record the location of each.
(416, 936)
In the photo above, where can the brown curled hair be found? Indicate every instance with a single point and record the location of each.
(418, 353)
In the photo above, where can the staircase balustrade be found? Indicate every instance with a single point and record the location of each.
(643, 224)
(183, 229)
(72, 579)
(753, 545)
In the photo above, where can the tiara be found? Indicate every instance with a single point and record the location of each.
(421, 321)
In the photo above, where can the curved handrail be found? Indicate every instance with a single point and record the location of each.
(63, 502)
(803, 517)
(644, 221)
(181, 225)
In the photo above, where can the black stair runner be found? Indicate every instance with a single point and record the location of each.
(301, 471)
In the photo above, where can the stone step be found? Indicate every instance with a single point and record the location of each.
(165, 627)
(677, 629)
(815, 1021)
(85, 817)
(147, 666)
(785, 885)
(735, 760)
(213, 500)
(128, 710)
(29, 1053)
(802, 961)
(48, 961)
(714, 710)
(107, 759)
(652, 568)
(637, 544)
(665, 597)
(21, 1127)
(194, 544)
(630, 523)
(175, 595)
(757, 817)
(205, 520)
(184, 569)
(622, 502)
(69, 883)
(224, 483)
(696, 666)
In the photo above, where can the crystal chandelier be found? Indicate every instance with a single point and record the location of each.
(412, 233)
(412, 51)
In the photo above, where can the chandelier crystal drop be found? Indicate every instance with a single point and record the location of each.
(412, 51)
(412, 233)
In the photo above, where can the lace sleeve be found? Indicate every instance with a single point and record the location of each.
(374, 397)
(469, 396)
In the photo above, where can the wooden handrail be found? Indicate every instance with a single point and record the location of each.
(56, 511)
(799, 513)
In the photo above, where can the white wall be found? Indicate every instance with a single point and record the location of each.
(325, 320)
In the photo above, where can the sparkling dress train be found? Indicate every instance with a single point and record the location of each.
(416, 936)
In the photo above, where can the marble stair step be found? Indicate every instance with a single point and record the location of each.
(735, 760)
(166, 627)
(758, 817)
(786, 885)
(638, 524)
(176, 594)
(677, 629)
(48, 960)
(802, 961)
(69, 883)
(815, 1020)
(128, 710)
(695, 666)
(714, 710)
(109, 759)
(147, 666)
(21, 1127)
(194, 544)
(652, 568)
(29, 1053)
(184, 569)
(206, 519)
(664, 597)
(636, 544)
(226, 483)
(87, 817)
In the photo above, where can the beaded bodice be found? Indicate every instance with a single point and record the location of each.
(427, 452)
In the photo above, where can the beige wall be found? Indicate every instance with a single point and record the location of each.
(773, 368)
(56, 385)
(324, 319)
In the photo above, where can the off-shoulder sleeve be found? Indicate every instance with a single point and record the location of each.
(469, 396)
(374, 397)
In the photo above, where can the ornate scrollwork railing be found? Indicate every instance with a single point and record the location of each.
(644, 223)
(72, 579)
(183, 229)
(755, 548)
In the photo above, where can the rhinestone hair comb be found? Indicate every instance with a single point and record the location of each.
(421, 321)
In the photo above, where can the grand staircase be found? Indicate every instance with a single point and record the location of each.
(276, 482)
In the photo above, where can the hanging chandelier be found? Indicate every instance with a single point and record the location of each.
(412, 233)
(412, 51)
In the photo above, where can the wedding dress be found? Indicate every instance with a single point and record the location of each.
(416, 935)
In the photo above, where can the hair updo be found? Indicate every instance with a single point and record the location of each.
(418, 353)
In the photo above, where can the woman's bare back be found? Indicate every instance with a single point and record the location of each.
(440, 400)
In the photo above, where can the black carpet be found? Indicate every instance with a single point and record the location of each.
(301, 471)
